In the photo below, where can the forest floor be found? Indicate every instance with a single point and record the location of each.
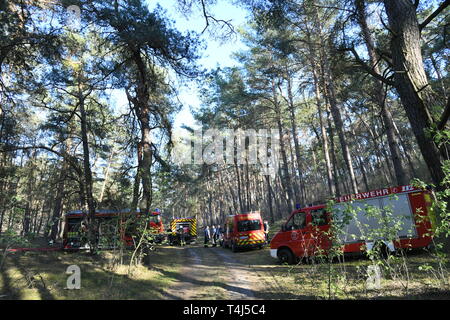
(195, 272)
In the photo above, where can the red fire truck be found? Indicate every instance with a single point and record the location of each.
(244, 231)
(111, 225)
(404, 209)
(156, 226)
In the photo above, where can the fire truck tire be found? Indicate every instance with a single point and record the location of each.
(286, 256)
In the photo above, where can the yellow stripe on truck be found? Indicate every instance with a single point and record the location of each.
(193, 222)
(247, 242)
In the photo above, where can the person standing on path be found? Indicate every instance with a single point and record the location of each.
(221, 235)
(216, 235)
(266, 230)
(213, 235)
(181, 235)
(207, 236)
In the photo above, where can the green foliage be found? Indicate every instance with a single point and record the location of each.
(9, 239)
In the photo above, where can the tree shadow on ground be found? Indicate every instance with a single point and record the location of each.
(96, 281)
(7, 292)
(211, 261)
(34, 278)
(202, 283)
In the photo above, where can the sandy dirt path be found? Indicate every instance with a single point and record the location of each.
(212, 273)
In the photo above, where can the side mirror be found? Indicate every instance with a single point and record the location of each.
(283, 228)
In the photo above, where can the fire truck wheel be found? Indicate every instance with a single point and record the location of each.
(286, 256)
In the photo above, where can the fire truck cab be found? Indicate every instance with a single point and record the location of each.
(112, 227)
(156, 226)
(307, 231)
(244, 231)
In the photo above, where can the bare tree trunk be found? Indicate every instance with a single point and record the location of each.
(28, 208)
(285, 176)
(88, 182)
(57, 203)
(335, 112)
(142, 108)
(326, 152)
(411, 81)
(439, 76)
(333, 154)
(380, 94)
(238, 176)
(406, 150)
(269, 199)
(1, 218)
(294, 131)
(102, 192)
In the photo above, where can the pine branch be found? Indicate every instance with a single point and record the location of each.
(443, 5)
(445, 116)
(367, 68)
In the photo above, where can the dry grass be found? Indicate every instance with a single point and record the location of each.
(347, 280)
(41, 275)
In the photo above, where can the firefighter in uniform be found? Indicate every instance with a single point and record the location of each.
(207, 236)
(186, 233)
(266, 230)
(216, 235)
(181, 235)
(213, 236)
(221, 232)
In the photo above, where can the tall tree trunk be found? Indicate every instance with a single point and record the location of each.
(294, 131)
(2, 216)
(105, 182)
(334, 162)
(380, 94)
(326, 152)
(411, 81)
(88, 181)
(269, 199)
(439, 76)
(315, 67)
(57, 204)
(142, 108)
(239, 185)
(406, 150)
(285, 176)
(336, 113)
(28, 208)
(412, 85)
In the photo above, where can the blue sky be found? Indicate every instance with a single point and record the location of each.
(217, 53)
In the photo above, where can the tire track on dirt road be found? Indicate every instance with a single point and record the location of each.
(211, 273)
(238, 276)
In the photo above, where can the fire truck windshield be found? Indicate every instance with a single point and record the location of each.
(249, 225)
(74, 224)
(155, 219)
